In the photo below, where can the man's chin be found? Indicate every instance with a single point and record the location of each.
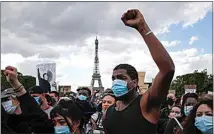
(122, 98)
(105, 108)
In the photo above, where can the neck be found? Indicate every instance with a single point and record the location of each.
(45, 107)
(130, 96)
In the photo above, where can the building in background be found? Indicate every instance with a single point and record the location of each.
(70, 94)
(141, 78)
(64, 89)
(96, 72)
(143, 86)
(89, 87)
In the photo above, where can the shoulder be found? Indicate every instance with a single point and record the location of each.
(108, 111)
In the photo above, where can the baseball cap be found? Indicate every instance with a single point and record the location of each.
(36, 90)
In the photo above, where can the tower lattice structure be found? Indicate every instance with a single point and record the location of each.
(96, 72)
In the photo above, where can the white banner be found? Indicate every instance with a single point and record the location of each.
(46, 76)
(209, 92)
(190, 88)
(190, 91)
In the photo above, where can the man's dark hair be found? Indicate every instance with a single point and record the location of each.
(85, 88)
(55, 92)
(36, 90)
(108, 90)
(189, 95)
(130, 70)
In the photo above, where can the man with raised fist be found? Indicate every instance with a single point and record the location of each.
(134, 113)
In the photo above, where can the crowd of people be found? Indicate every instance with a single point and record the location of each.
(118, 110)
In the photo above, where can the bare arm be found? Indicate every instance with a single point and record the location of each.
(161, 84)
(151, 101)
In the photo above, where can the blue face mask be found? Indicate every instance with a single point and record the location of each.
(119, 87)
(8, 107)
(204, 124)
(37, 99)
(82, 97)
(187, 110)
(62, 130)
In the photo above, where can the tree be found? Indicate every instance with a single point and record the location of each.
(27, 81)
(202, 80)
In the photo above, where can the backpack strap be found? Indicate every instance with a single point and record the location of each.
(100, 114)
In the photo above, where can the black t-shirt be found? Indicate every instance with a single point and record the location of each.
(128, 121)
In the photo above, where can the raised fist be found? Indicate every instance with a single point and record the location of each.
(133, 18)
(11, 74)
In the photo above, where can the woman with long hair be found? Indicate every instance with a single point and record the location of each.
(200, 119)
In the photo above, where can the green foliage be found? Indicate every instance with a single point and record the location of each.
(202, 80)
(27, 81)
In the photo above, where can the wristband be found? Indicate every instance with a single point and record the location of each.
(148, 33)
(17, 89)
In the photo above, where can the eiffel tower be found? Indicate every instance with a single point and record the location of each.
(96, 73)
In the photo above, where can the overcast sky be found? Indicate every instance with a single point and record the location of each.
(64, 32)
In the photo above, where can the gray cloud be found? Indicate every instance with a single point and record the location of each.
(35, 24)
(12, 44)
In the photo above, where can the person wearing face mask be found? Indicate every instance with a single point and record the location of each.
(84, 102)
(189, 100)
(5, 129)
(12, 105)
(83, 94)
(67, 118)
(42, 99)
(22, 112)
(134, 113)
(200, 120)
(9, 103)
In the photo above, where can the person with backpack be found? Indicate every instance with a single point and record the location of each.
(108, 99)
